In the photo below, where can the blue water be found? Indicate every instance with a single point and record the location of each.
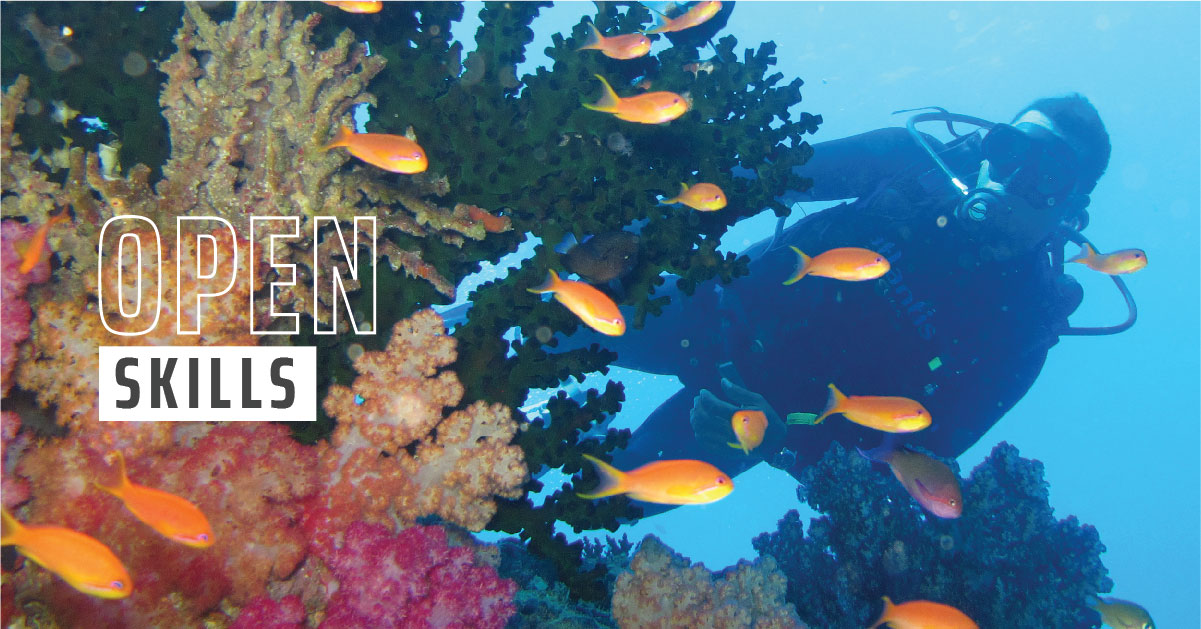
(1114, 419)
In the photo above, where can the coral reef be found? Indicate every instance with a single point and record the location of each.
(393, 441)
(664, 589)
(14, 489)
(411, 579)
(15, 313)
(1006, 562)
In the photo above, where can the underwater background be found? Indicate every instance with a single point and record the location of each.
(1114, 420)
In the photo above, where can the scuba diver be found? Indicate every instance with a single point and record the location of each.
(974, 231)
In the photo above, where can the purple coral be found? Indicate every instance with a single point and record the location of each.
(412, 579)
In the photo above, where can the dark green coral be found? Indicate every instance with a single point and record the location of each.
(1007, 562)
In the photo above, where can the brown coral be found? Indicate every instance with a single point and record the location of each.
(663, 589)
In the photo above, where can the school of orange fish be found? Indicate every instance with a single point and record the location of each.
(91, 567)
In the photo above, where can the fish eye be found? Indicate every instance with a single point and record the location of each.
(954, 502)
(878, 259)
(675, 101)
(117, 585)
(721, 481)
(204, 537)
(1138, 255)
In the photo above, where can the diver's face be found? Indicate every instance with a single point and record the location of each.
(1027, 174)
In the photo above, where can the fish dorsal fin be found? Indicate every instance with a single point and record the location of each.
(117, 490)
(683, 188)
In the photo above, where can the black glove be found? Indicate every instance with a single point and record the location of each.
(710, 419)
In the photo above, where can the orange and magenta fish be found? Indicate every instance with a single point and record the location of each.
(356, 6)
(588, 303)
(493, 223)
(80, 560)
(749, 426)
(931, 482)
(923, 615)
(674, 482)
(696, 15)
(1116, 263)
(647, 108)
(889, 414)
(33, 251)
(850, 264)
(394, 153)
(704, 197)
(175, 518)
(629, 46)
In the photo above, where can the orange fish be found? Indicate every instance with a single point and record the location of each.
(931, 482)
(629, 46)
(492, 222)
(678, 482)
(80, 560)
(850, 264)
(33, 251)
(698, 14)
(748, 427)
(394, 153)
(356, 6)
(705, 197)
(593, 307)
(1116, 263)
(175, 518)
(923, 615)
(889, 414)
(648, 108)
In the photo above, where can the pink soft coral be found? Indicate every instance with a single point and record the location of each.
(15, 313)
(412, 579)
(13, 489)
(264, 613)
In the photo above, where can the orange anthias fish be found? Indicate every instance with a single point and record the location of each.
(172, 516)
(698, 14)
(889, 414)
(923, 615)
(80, 560)
(850, 264)
(931, 483)
(1116, 263)
(629, 46)
(492, 223)
(356, 6)
(648, 108)
(1121, 614)
(593, 307)
(394, 153)
(678, 482)
(748, 427)
(705, 197)
(33, 251)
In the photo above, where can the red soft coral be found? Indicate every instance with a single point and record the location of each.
(15, 313)
(13, 489)
(412, 579)
(264, 613)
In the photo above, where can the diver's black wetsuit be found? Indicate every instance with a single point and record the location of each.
(963, 335)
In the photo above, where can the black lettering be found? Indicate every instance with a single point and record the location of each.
(248, 400)
(160, 383)
(193, 383)
(286, 384)
(127, 382)
(215, 384)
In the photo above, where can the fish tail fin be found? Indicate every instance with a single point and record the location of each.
(9, 529)
(1086, 252)
(552, 282)
(885, 615)
(568, 243)
(832, 406)
(609, 101)
(802, 266)
(883, 452)
(594, 38)
(612, 480)
(341, 138)
(122, 480)
(675, 199)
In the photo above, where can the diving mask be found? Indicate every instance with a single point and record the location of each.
(1031, 161)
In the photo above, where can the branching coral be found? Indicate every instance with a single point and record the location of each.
(1007, 562)
(663, 589)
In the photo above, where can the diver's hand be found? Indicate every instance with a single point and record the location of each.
(710, 419)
